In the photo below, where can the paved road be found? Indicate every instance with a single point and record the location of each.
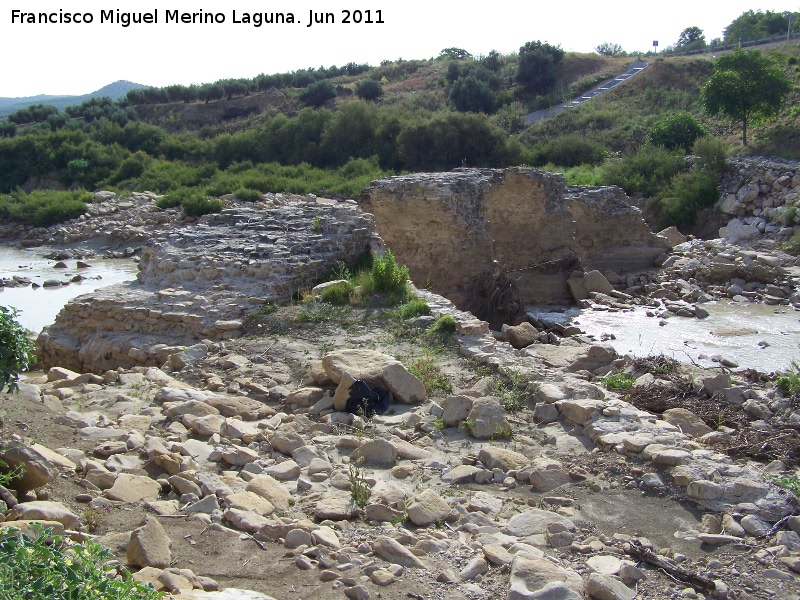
(634, 68)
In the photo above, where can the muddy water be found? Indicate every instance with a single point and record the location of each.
(766, 338)
(39, 307)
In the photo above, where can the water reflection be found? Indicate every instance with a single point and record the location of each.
(39, 307)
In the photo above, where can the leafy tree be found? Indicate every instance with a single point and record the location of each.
(369, 89)
(211, 91)
(536, 70)
(454, 53)
(676, 131)
(609, 49)
(691, 37)
(492, 61)
(318, 93)
(758, 25)
(470, 94)
(35, 113)
(16, 350)
(746, 87)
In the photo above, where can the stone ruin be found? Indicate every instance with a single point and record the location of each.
(198, 282)
(454, 228)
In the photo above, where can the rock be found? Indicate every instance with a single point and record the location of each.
(382, 577)
(286, 440)
(461, 474)
(495, 457)
(672, 236)
(688, 422)
(376, 452)
(43, 510)
(189, 356)
(535, 521)
(427, 507)
(246, 408)
(456, 409)
(133, 488)
(394, 552)
(273, 490)
(704, 490)
(326, 536)
(583, 285)
(375, 369)
(487, 419)
(522, 335)
(36, 470)
(537, 578)
(486, 503)
(357, 592)
(580, 411)
(601, 587)
(755, 525)
(545, 413)
(149, 545)
(336, 508)
(715, 384)
(545, 480)
(477, 566)
(298, 537)
(249, 501)
(604, 565)
(284, 471)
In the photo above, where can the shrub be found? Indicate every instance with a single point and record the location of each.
(571, 151)
(470, 94)
(318, 93)
(369, 89)
(341, 293)
(51, 567)
(678, 131)
(248, 194)
(200, 205)
(16, 350)
(793, 245)
(387, 275)
(790, 383)
(647, 171)
(412, 309)
(445, 324)
(44, 207)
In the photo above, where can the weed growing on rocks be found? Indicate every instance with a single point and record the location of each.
(513, 390)
(359, 486)
(790, 383)
(412, 309)
(427, 370)
(619, 381)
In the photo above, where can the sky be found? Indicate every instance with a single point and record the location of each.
(78, 58)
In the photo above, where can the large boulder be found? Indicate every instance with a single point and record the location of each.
(487, 419)
(149, 545)
(533, 577)
(36, 470)
(376, 369)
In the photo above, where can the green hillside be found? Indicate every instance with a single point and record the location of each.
(331, 130)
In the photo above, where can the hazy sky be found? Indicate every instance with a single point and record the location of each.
(68, 58)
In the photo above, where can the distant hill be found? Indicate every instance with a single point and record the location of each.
(115, 90)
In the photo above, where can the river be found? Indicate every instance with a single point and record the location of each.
(753, 335)
(38, 307)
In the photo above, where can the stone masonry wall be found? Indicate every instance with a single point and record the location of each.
(452, 228)
(762, 195)
(198, 281)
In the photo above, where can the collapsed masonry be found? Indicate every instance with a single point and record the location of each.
(198, 281)
(454, 228)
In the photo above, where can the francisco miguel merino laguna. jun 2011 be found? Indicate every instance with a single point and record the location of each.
(201, 17)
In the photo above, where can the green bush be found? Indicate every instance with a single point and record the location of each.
(44, 207)
(193, 202)
(51, 567)
(793, 245)
(571, 151)
(470, 94)
(200, 205)
(387, 275)
(444, 324)
(341, 293)
(412, 309)
(790, 383)
(318, 93)
(677, 131)
(16, 350)
(369, 89)
(645, 172)
(248, 194)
